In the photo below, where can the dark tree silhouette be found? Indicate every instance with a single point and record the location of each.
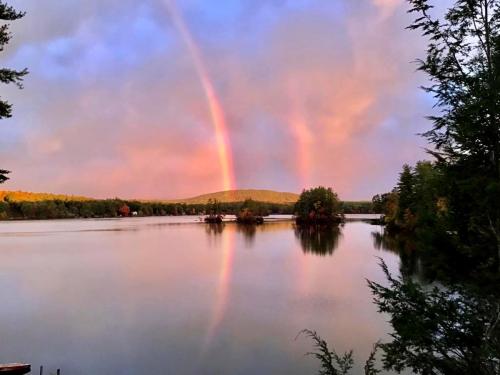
(438, 331)
(463, 65)
(3, 175)
(8, 76)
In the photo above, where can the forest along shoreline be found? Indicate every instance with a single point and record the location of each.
(31, 206)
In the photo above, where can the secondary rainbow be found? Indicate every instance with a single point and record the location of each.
(302, 134)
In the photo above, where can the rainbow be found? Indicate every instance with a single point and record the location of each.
(216, 110)
(303, 137)
(223, 284)
(303, 140)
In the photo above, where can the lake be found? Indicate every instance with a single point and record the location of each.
(170, 295)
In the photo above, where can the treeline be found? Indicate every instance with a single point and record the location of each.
(360, 207)
(452, 217)
(14, 209)
(420, 199)
(69, 209)
(452, 205)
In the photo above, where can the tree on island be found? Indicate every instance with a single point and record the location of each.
(251, 213)
(318, 206)
(8, 76)
(213, 211)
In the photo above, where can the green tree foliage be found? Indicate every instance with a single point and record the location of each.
(213, 207)
(378, 203)
(429, 192)
(254, 208)
(251, 212)
(406, 193)
(14, 205)
(463, 64)
(439, 331)
(7, 76)
(317, 205)
(435, 331)
(360, 207)
(418, 201)
(386, 204)
(334, 364)
(331, 362)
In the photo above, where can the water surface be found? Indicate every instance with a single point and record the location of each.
(175, 296)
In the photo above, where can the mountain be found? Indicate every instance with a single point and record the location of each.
(230, 196)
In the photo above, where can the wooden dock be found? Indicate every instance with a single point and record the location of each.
(15, 369)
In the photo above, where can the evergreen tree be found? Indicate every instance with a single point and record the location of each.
(3, 175)
(463, 64)
(7, 76)
(406, 193)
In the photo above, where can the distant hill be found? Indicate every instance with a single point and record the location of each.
(231, 196)
(22, 196)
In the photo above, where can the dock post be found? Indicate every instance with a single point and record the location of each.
(58, 371)
(41, 370)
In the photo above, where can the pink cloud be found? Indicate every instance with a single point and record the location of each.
(308, 97)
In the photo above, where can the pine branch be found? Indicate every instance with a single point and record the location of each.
(8, 76)
(3, 175)
(8, 13)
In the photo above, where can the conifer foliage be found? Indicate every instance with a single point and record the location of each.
(8, 76)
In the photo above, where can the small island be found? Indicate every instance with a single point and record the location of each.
(213, 212)
(318, 206)
(251, 213)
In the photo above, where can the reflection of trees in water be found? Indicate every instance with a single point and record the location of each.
(454, 328)
(395, 243)
(248, 231)
(214, 229)
(425, 261)
(316, 239)
(445, 331)
(406, 247)
(429, 257)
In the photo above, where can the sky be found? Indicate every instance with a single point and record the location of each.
(171, 99)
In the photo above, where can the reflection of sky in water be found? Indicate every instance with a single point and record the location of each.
(141, 296)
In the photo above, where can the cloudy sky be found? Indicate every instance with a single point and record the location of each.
(151, 99)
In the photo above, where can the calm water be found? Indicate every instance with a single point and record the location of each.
(171, 296)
